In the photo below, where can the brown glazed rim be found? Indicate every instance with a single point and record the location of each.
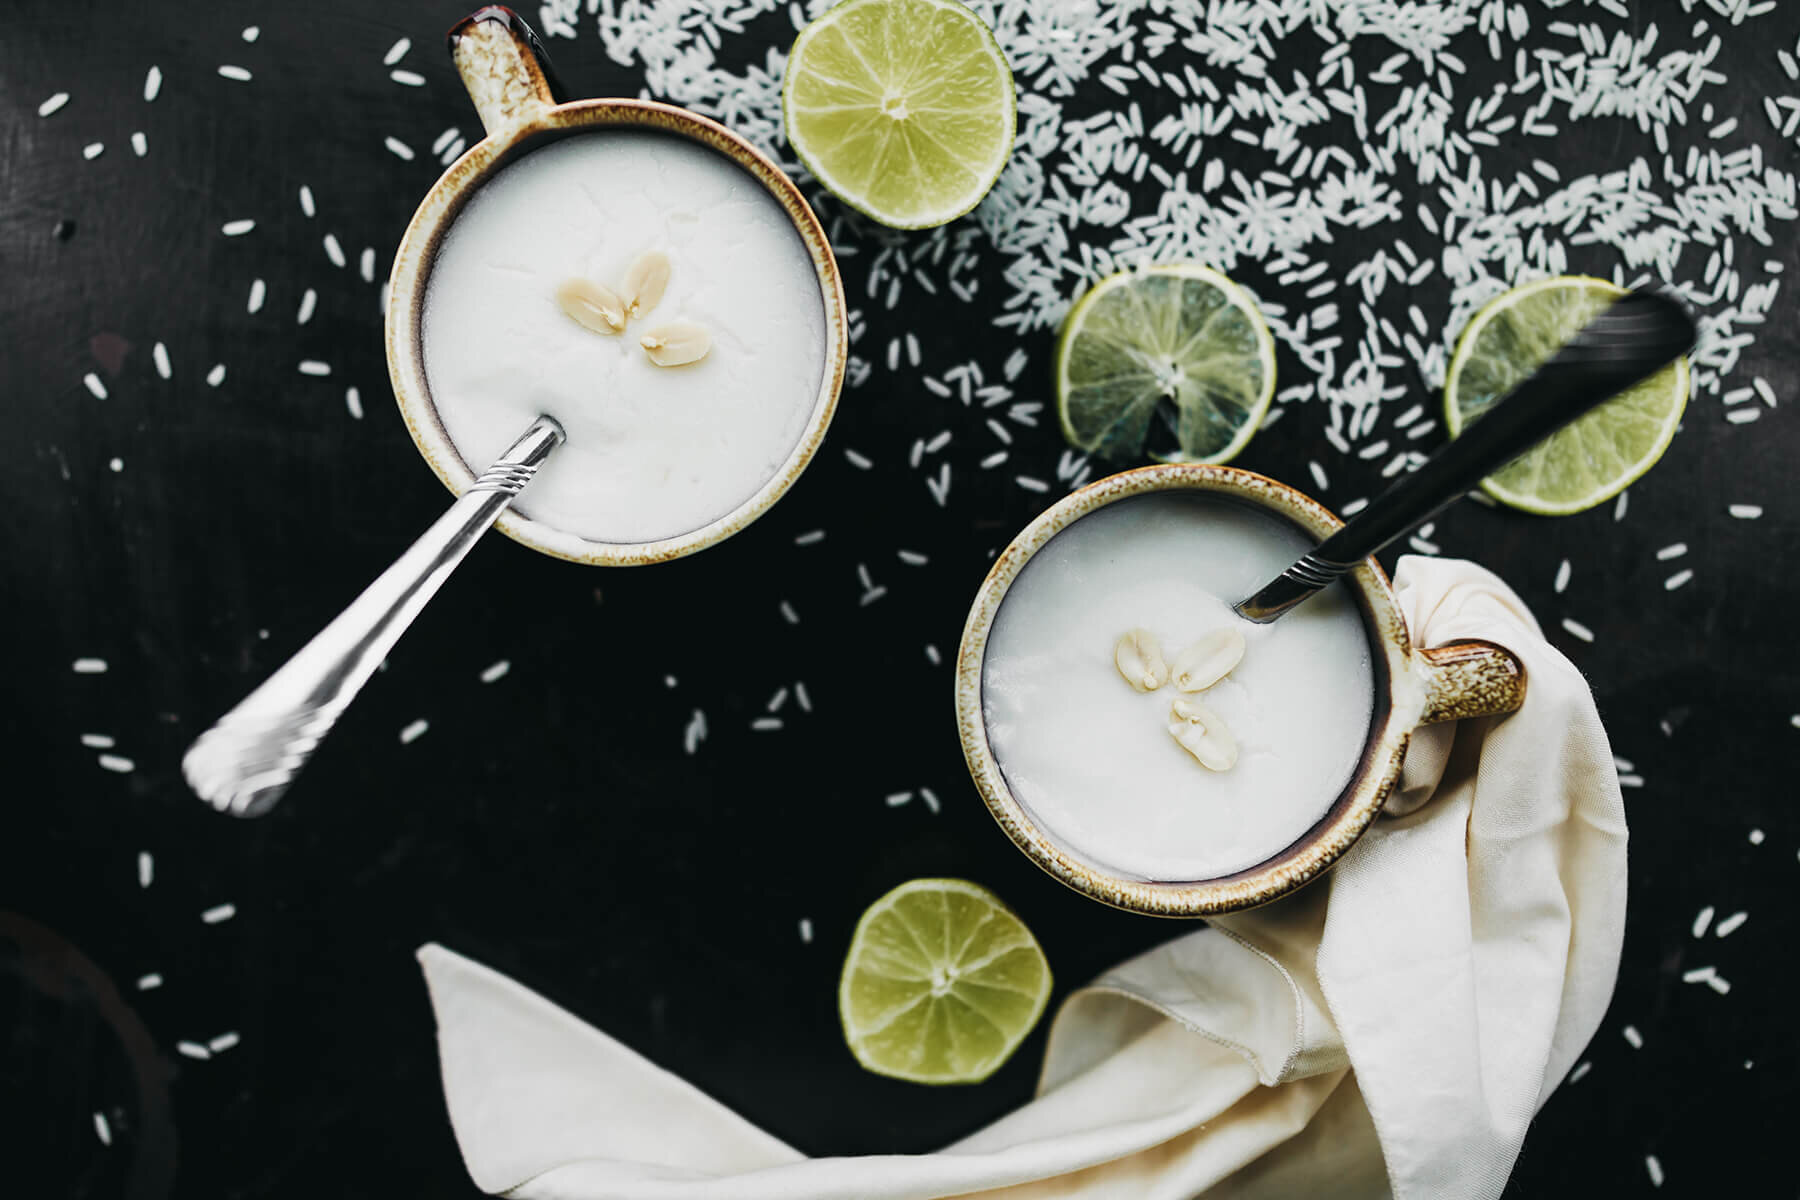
(1315, 850)
(406, 288)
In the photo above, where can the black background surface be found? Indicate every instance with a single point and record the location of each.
(549, 824)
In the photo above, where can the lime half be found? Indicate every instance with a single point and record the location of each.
(1595, 457)
(903, 108)
(1178, 343)
(941, 984)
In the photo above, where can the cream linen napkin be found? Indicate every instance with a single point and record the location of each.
(1390, 1029)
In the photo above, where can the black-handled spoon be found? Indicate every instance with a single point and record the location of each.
(1632, 339)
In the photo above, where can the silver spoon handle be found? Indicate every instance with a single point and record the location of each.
(244, 763)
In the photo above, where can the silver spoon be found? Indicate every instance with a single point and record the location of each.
(244, 764)
(1632, 339)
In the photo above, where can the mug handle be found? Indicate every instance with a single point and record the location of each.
(504, 66)
(1470, 679)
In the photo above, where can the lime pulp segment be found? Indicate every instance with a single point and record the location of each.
(941, 984)
(904, 109)
(1593, 458)
(1178, 337)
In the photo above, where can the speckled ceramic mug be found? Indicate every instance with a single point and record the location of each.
(1413, 687)
(509, 79)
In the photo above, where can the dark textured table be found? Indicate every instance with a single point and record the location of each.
(191, 536)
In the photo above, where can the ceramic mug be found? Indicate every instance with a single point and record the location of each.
(509, 79)
(1413, 687)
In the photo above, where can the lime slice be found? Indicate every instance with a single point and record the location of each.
(1596, 457)
(1180, 344)
(942, 983)
(903, 108)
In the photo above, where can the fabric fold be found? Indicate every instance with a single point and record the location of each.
(1391, 1029)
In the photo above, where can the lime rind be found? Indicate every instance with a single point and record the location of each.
(1181, 331)
(992, 983)
(933, 59)
(1595, 457)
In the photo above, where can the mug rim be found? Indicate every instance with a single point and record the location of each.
(1378, 771)
(438, 210)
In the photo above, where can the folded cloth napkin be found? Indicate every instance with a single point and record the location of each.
(1389, 1030)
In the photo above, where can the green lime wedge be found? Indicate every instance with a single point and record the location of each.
(941, 984)
(1586, 462)
(904, 109)
(1180, 343)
